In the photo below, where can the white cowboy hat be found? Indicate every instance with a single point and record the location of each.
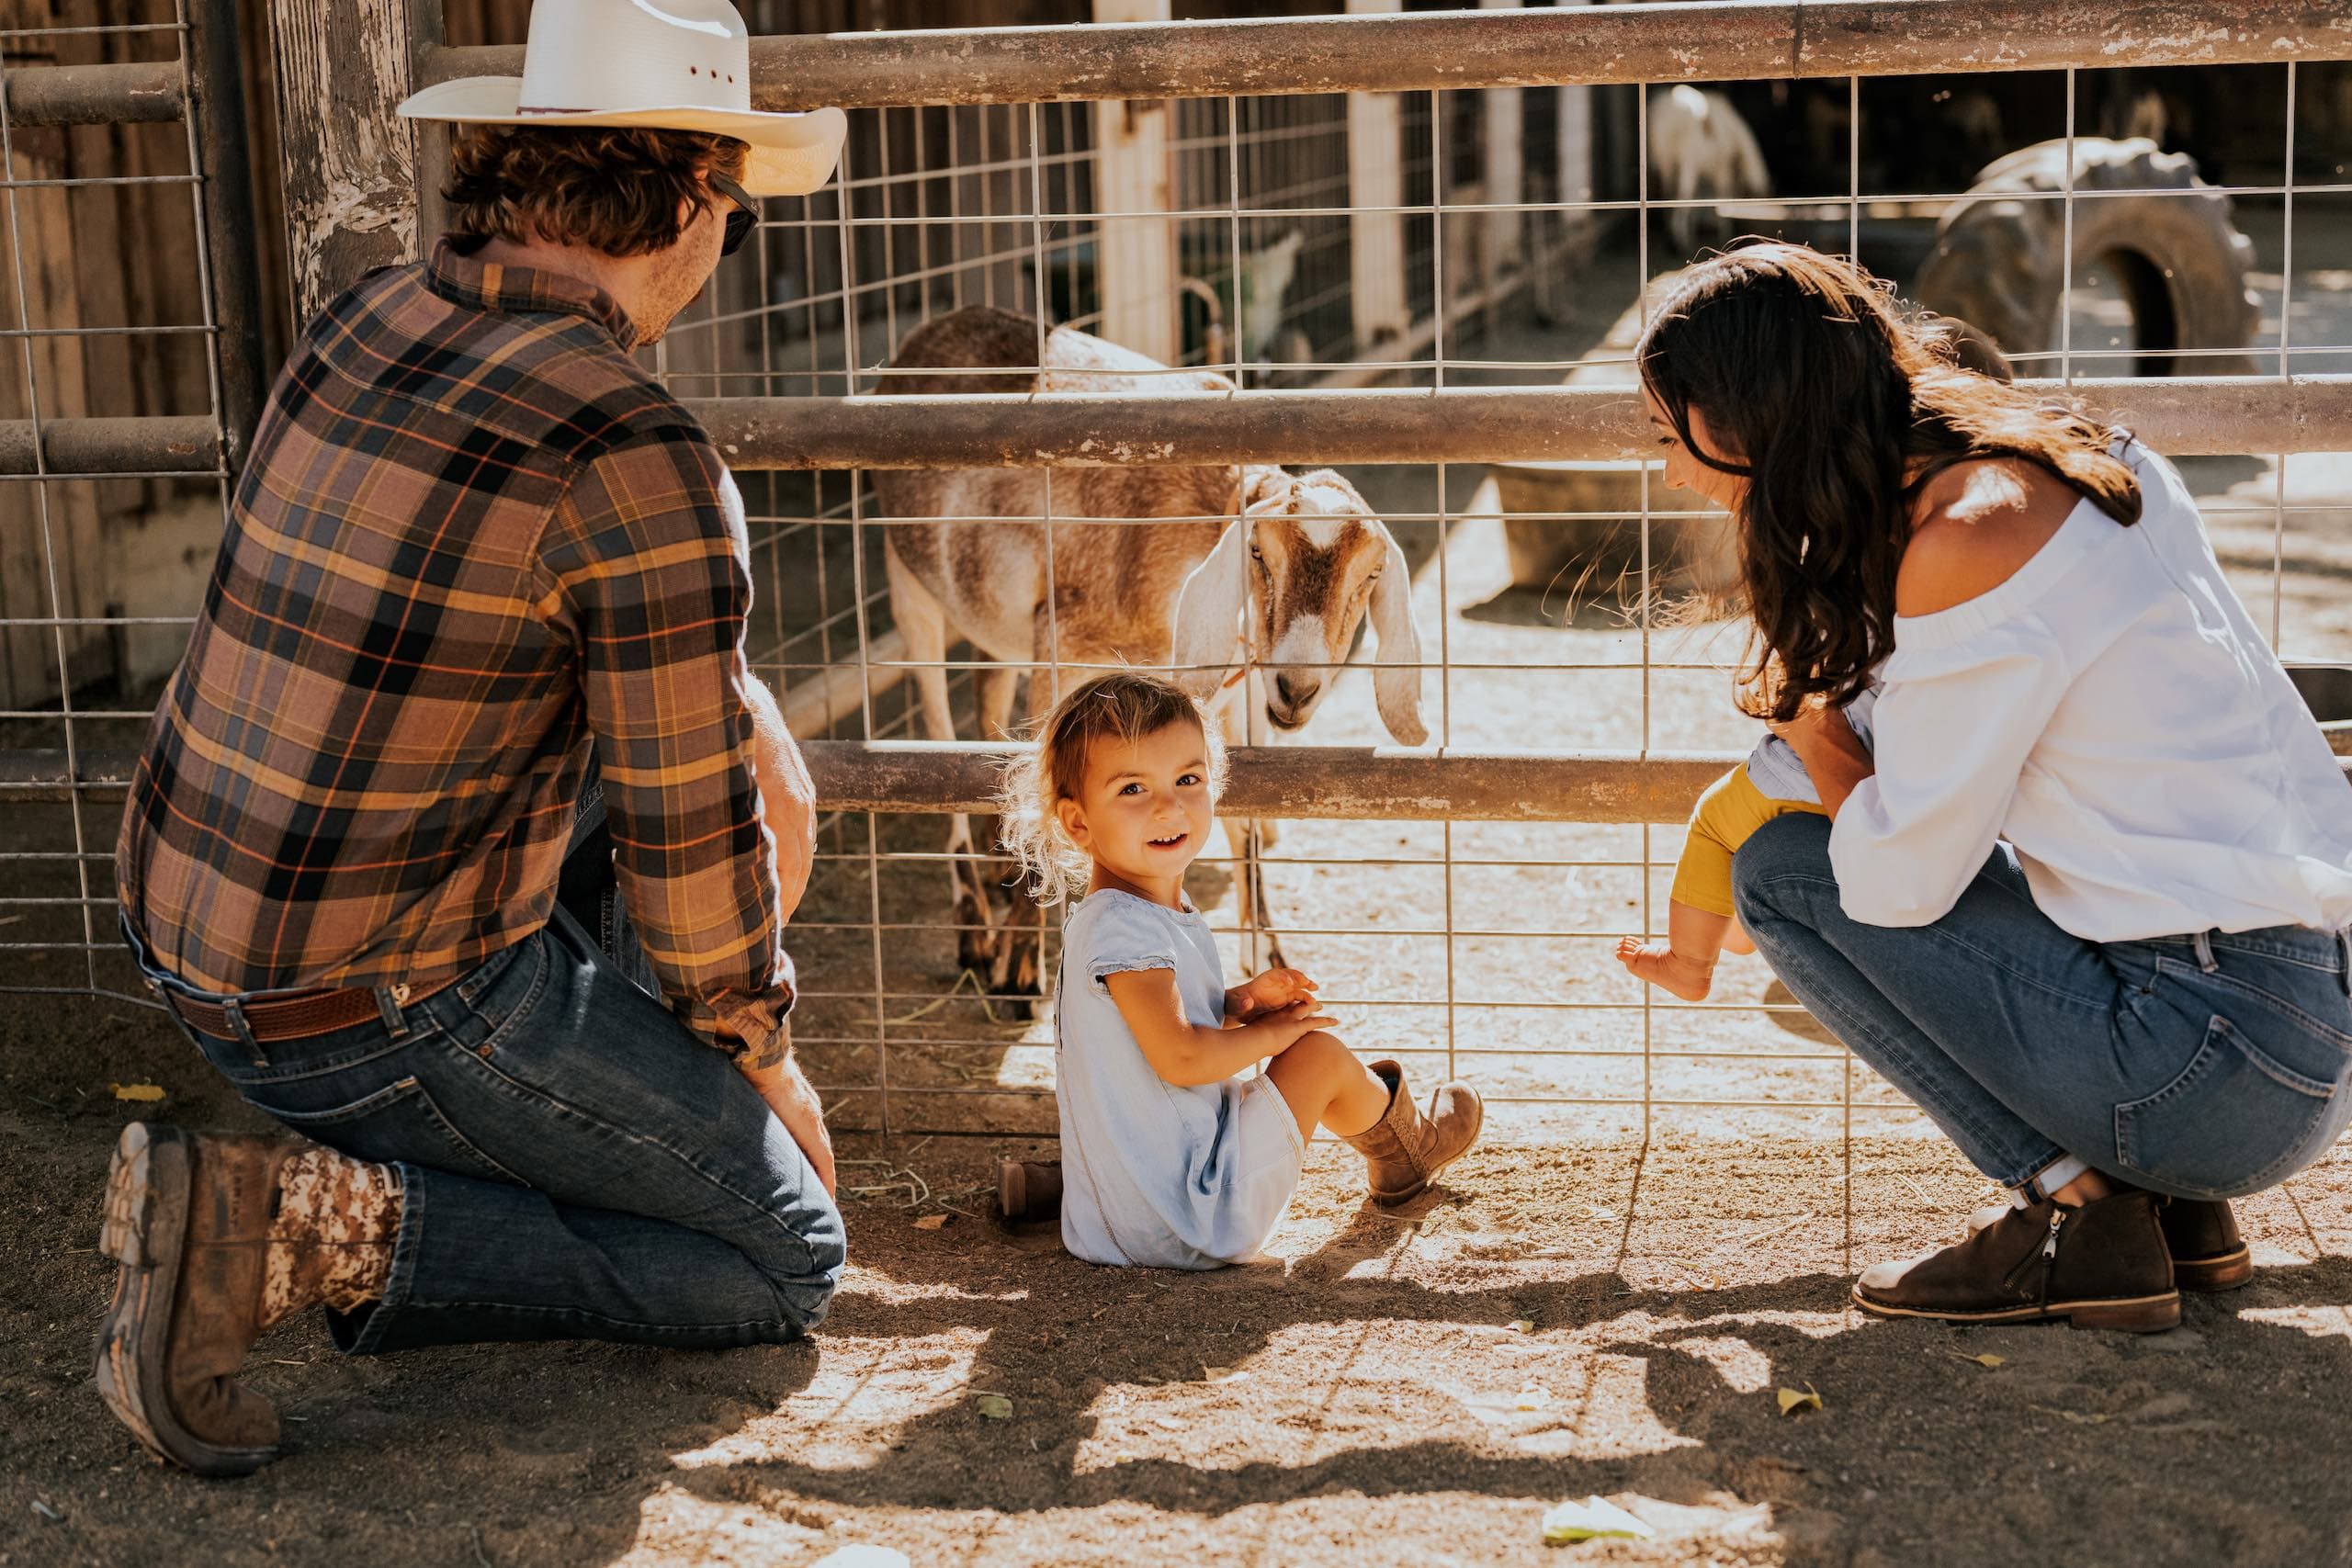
(663, 65)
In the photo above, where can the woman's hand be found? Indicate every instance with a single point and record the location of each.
(1834, 756)
(1261, 994)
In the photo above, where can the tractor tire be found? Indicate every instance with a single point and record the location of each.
(1999, 262)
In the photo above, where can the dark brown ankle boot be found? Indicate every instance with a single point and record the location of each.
(2103, 1264)
(1029, 1189)
(2207, 1254)
(1405, 1150)
(211, 1254)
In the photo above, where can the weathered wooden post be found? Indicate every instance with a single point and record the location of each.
(1135, 257)
(351, 163)
(1505, 173)
(1376, 192)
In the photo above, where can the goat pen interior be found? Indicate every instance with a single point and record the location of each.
(1437, 240)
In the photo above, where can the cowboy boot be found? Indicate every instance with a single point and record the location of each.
(1405, 1149)
(218, 1238)
(2102, 1265)
(1028, 1190)
(2201, 1234)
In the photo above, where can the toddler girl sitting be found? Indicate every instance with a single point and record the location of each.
(1169, 1158)
(1699, 919)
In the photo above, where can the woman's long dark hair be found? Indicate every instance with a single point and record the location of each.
(1836, 407)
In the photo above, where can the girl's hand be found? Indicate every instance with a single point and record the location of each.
(1261, 994)
(1281, 1028)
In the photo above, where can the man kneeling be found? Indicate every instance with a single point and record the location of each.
(464, 839)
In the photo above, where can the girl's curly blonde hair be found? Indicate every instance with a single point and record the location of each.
(1128, 706)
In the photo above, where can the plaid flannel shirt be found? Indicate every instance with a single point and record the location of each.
(474, 539)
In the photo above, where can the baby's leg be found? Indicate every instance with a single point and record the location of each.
(1684, 963)
(1323, 1084)
(1736, 940)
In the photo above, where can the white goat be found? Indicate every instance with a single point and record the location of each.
(1700, 147)
(1221, 566)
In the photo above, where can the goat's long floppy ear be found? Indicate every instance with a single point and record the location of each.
(1208, 613)
(1396, 667)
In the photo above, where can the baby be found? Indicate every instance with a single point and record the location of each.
(1699, 919)
(1169, 1157)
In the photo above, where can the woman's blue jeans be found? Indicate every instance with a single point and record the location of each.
(576, 1162)
(2203, 1067)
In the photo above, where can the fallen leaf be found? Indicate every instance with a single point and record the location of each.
(1594, 1518)
(931, 1222)
(1792, 1402)
(1522, 1325)
(1984, 1360)
(138, 1091)
(1223, 1374)
(995, 1406)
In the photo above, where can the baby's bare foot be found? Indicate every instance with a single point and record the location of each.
(1657, 963)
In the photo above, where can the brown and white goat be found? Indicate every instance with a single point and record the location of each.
(1195, 569)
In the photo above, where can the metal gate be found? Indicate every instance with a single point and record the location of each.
(129, 385)
(1457, 899)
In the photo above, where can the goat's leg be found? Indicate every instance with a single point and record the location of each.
(921, 621)
(1683, 221)
(1012, 968)
(1248, 838)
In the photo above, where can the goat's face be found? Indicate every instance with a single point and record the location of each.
(1298, 571)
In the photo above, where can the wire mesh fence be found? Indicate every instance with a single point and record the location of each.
(1436, 239)
(127, 378)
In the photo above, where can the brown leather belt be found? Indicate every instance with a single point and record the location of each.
(298, 1017)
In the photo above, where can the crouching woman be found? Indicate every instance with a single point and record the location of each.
(2084, 901)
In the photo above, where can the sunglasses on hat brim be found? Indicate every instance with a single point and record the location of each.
(740, 221)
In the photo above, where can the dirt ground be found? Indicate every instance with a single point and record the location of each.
(1557, 1322)
(1606, 1300)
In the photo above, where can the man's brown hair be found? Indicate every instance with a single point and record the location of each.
(613, 189)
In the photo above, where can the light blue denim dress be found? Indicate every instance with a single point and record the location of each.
(1174, 1178)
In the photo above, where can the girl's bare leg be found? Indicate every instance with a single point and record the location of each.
(1684, 963)
(1323, 1084)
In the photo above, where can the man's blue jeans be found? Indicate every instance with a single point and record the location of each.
(2203, 1067)
(576, 1162)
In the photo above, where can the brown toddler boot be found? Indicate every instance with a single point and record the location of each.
(218, 1238)
(1405, 1150)
(2207, 1253)
(1028, 1190)
(2102, 1265)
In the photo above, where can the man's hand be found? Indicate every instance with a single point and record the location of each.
(788, 1094)
(787, 796)
(1261, 994)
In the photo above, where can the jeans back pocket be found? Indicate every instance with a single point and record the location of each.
(397, 1124)
(2233, 1121)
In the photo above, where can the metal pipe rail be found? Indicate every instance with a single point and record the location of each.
(150, 443)
(1376, 783)
(1534, 47)
(136, 93)
(2184, 416)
